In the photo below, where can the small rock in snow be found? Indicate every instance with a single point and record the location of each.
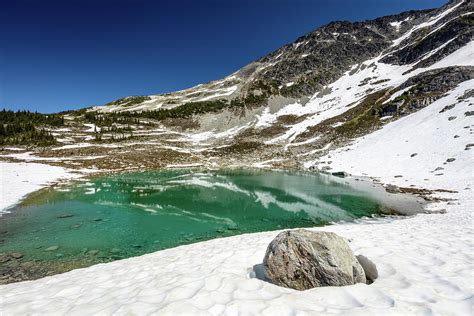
(340, 174)
(392, 189)
(370, 269)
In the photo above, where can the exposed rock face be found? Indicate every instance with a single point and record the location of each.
(318, 58)
(454, 30)
(425, 88)
(302, 259)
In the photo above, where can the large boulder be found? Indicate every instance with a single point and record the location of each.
(302, 259)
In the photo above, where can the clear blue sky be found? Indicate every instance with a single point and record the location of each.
(58, 55)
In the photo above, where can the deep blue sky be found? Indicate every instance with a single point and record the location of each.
(58, 55)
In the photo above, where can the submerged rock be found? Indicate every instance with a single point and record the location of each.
(370, 269)
(115, 250)
(93, 252)
(16, 255)
(4, 258)
(302, 259)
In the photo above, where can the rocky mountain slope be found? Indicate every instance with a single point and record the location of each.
(317, 59)
(340, 82)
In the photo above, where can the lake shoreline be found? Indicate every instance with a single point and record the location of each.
(18, 265)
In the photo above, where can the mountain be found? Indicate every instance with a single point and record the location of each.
(338, 82)
(328, 88)
(317, 59)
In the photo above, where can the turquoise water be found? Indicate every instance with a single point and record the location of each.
(123, 215)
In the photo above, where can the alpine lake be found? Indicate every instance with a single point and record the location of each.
(110, 217)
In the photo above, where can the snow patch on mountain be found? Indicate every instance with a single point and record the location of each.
(419, 146)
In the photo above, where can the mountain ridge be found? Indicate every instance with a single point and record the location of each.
(230, 86)
(324, 91)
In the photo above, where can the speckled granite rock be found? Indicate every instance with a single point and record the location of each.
(302, 259)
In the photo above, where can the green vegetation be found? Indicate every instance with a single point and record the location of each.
(116, 134)
(363, 117)
(10, 117)
(127, 118)
(183, 111)
(27, 128)
(108, 119)
(129, 101)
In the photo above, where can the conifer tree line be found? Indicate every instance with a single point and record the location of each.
(182, 111)
(27, 128)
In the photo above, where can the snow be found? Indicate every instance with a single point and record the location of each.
(397, 94)
(204, 136)
(84, 145)
(305, 142)
(220, 93)
(427, 133)
(187, 165)
(349, 90)
(425, 261)
(265, 163)
(92, 128)
(462, 57)
(28, 156)
(14, 148)
(396, 24)
(431, 53)
(265, 119)
(65, 129)
(19, 179)
(432, 21)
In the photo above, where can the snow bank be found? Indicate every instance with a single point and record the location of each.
(417, 147)
(19, 179)
(424, 265)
